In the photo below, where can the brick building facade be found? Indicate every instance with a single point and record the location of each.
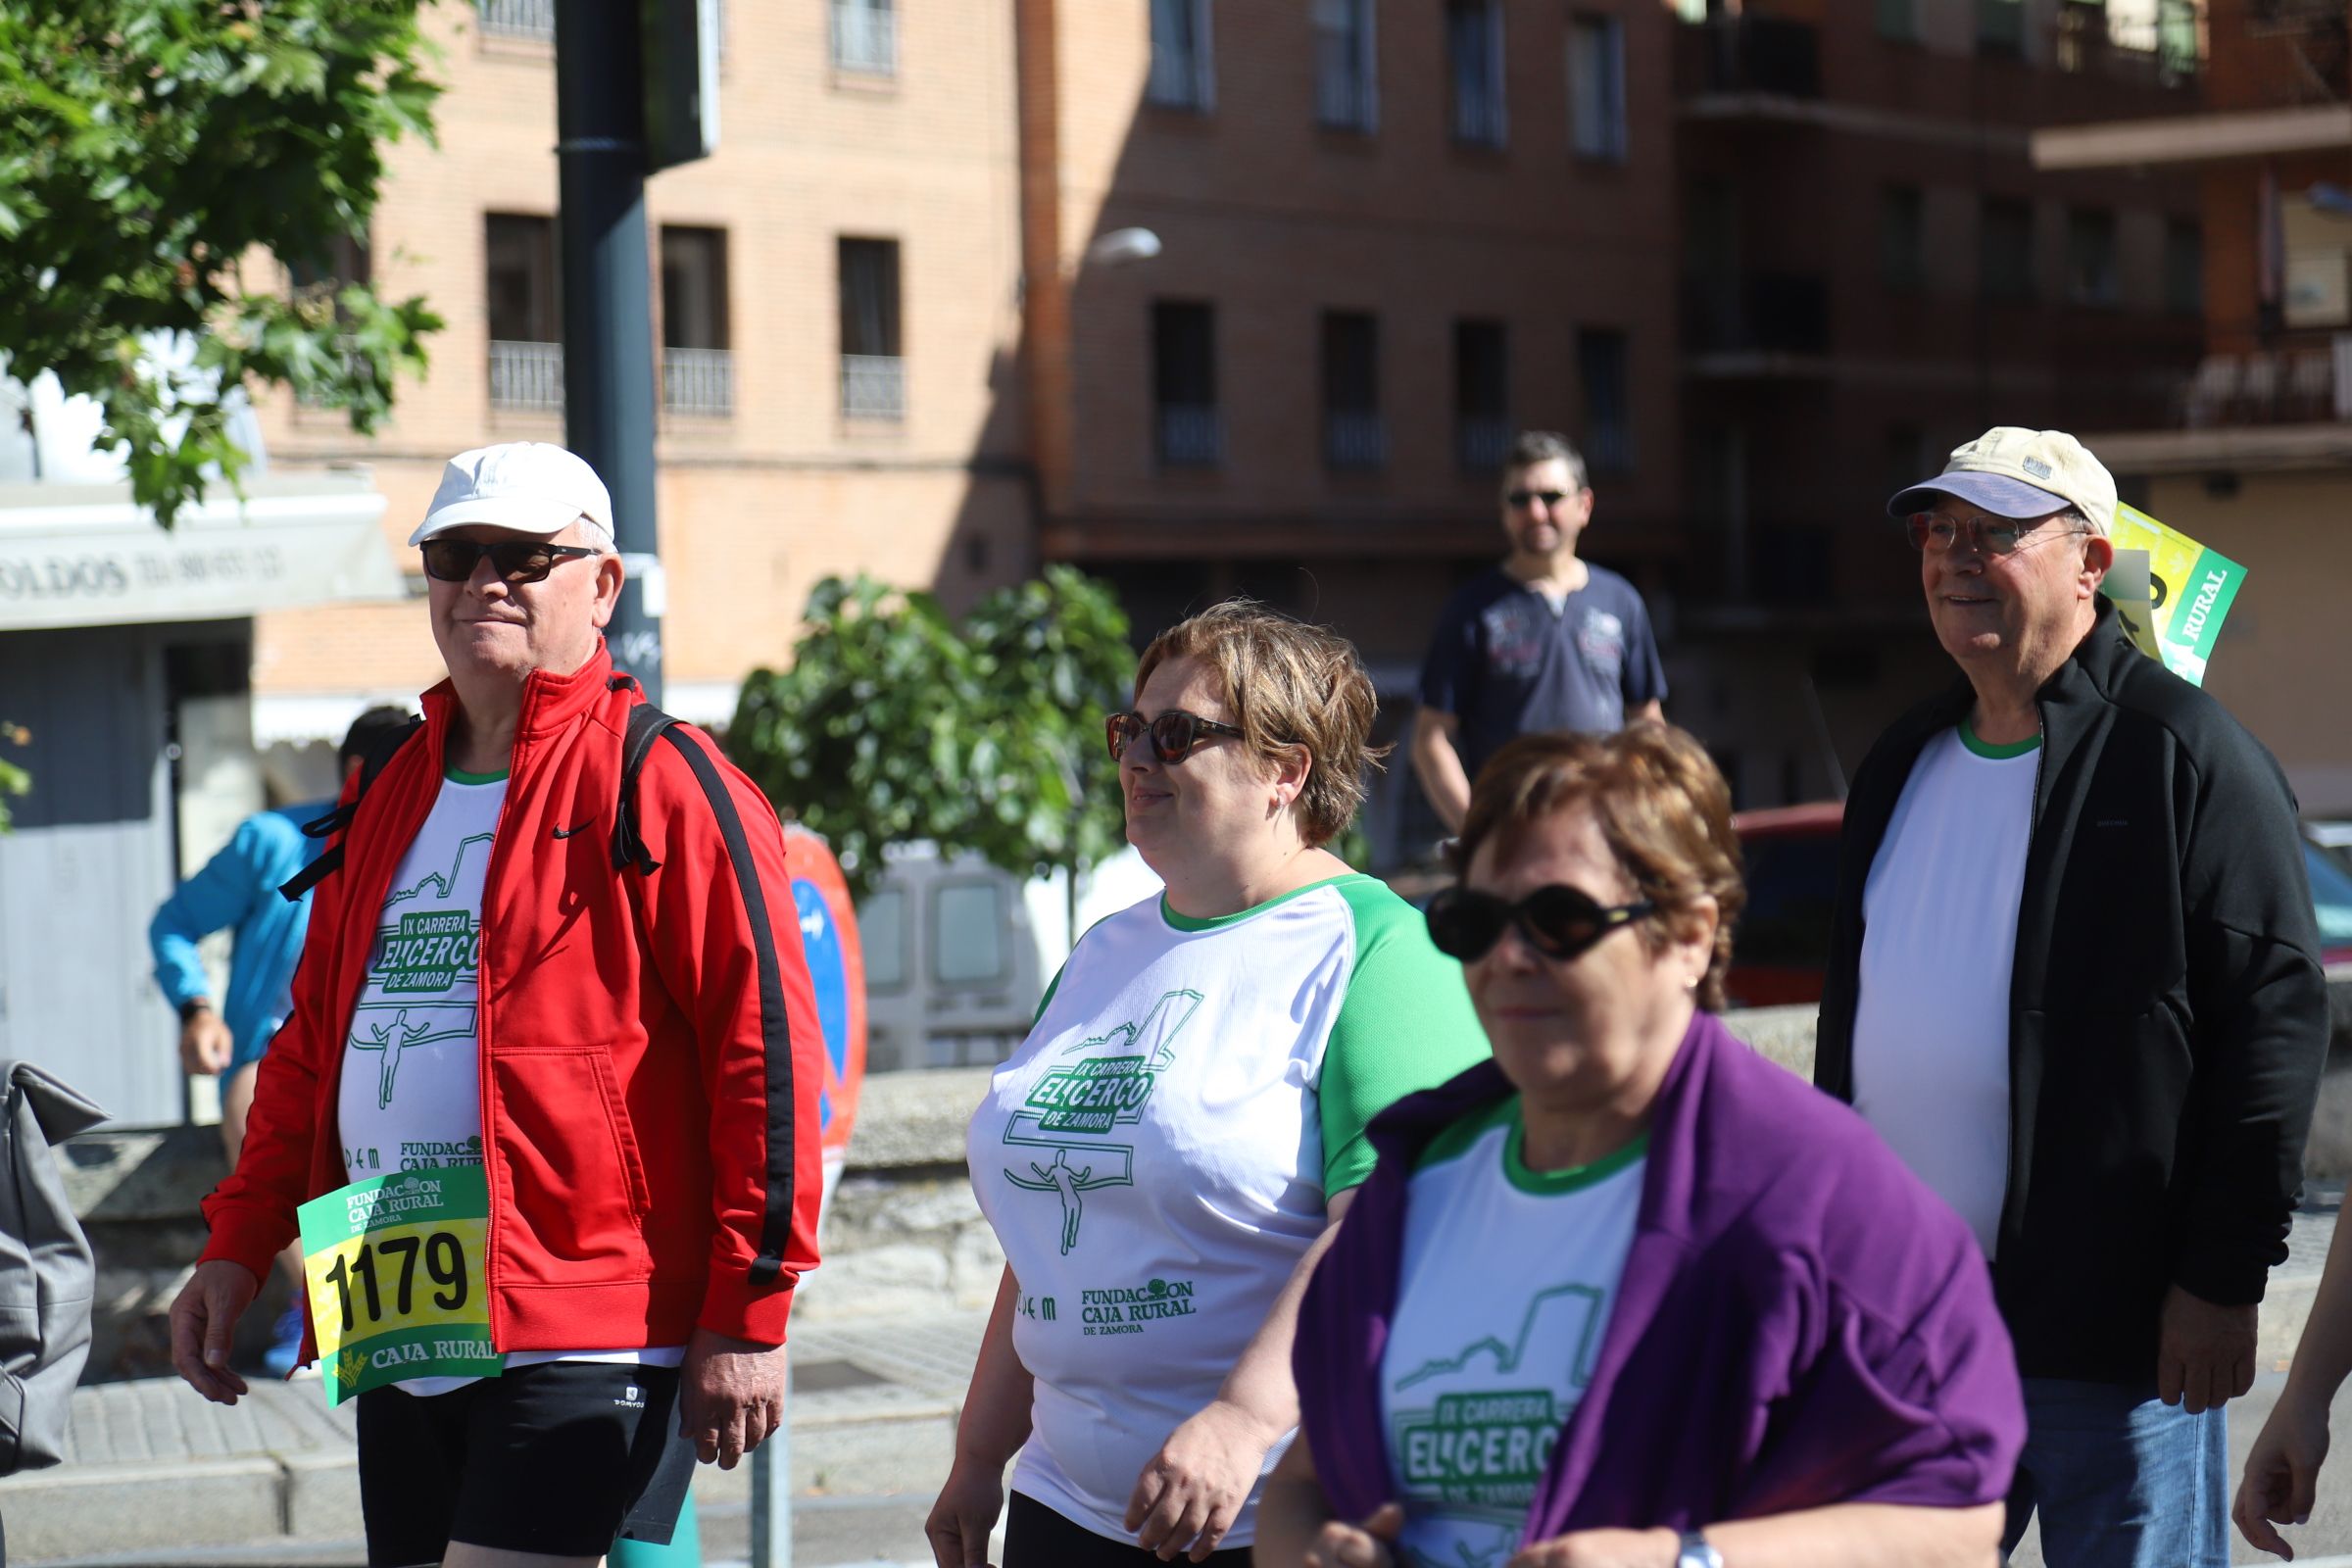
(2252, 451)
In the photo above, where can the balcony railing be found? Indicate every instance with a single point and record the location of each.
(2290, 386)
(1355, 440)
(874, 386)
(698, 382)
(1191, 435)
(865, 38)
(1481, 441)
(526, 375)
(534, 19)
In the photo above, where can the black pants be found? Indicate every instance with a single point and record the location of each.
(1036, 1536)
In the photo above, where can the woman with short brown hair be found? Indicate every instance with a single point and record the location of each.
(1629, 1294)
(1163, 1156)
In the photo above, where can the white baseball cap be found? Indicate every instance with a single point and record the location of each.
(528, 486)
(2012, 473)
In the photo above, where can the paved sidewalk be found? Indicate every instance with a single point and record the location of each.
(157, 1476)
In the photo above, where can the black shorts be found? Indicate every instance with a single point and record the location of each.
(560, 1457)
(1036, 1536)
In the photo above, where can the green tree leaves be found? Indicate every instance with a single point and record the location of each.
(145, 147)
(895, 725)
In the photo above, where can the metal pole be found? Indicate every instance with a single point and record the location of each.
(608, 300)
(771, 1491)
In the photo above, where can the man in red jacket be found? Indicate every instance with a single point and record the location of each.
(566, 1114)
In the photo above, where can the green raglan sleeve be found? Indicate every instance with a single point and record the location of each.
(1405, 1025)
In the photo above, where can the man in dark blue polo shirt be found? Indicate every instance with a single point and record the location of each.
(1543, 642)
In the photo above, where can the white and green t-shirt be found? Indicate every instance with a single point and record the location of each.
(411, 1097)
(1505, 1290)
(1939, 943)
(1155, 1156)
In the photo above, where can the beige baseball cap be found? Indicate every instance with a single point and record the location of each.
(2014, 472)
(528, 486)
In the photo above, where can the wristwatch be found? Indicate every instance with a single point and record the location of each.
(192, 1006)
(1696, 1553)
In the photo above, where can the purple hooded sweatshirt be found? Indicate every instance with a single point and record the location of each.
(1800, 1321)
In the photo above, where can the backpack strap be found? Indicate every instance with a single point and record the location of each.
(646, 724)
(378, 754)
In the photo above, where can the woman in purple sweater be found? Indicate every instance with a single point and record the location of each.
(1630, 1296)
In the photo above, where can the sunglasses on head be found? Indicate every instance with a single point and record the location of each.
(1173, 733)
(1996, 536)
(1558, 921)
(1523, 499)
(516, 560)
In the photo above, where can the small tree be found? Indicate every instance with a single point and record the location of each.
(894, 724)
(145, 146)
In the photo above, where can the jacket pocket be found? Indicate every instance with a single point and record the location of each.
(573, 1163)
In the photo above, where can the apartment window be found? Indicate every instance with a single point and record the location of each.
(1353, 433)
(1601, 373)
(1189, 434)
(865, 37)
(697, 370)
(2001, 28)
(526, 311)
(1596, 88)
(1346, 65)
(1182, 77)
(2005, 251)
(346, 259)
(1896, 20)
(1474, 58)
(2184, 267)
(2091, 277)
(1902, 238)
(1482, 395)
(873, 373)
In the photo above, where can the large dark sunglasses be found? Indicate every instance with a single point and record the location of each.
(516, 560)
(1522, 499)
(1558, 921)
(1173, 733)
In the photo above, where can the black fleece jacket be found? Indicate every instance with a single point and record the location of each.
(2167, 1018)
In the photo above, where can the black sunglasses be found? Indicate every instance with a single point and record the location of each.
(1558, 921)
(1523, 498)
(516, 560)
(1173, 733)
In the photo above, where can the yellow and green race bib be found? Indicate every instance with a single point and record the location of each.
(394, 1266)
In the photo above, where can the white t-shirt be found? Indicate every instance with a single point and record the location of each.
(1153, 1157)
(1506, 1287)
(1938, 942)
(411, 1097)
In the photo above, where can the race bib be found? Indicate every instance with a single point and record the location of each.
(394, 1266)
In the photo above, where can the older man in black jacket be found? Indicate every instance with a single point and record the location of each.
(2075, 982)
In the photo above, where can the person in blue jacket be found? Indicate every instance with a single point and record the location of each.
(237, 889)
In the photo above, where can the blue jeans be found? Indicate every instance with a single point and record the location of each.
(2120, 1479)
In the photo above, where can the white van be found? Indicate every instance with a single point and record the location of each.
(957, 953)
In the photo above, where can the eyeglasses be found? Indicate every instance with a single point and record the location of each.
(1173, 733)
(516, 560)
(1558, 921)
(1997, 536)
(1522, 499)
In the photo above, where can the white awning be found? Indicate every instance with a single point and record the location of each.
(84, 555)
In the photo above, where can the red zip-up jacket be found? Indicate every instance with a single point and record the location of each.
(650, 1054)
